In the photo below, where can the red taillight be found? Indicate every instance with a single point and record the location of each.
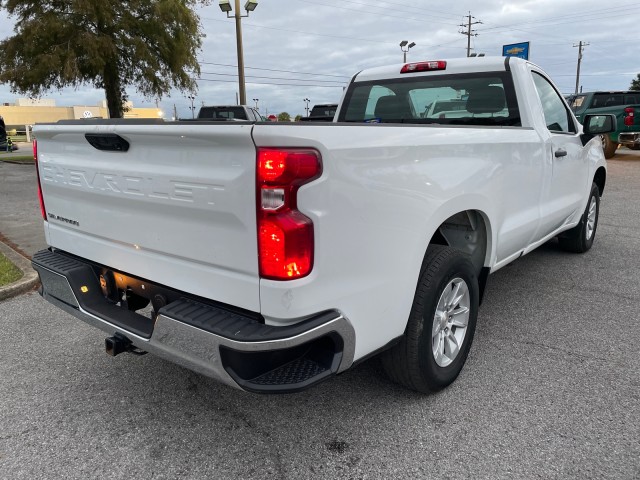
(35, 158)
(424, 66)
(629, 114)
(285, 236)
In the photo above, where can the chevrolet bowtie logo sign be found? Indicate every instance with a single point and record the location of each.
(520, 50)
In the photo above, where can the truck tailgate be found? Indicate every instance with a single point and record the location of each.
(177, 208)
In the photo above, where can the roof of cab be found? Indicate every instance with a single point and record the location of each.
(455, 65)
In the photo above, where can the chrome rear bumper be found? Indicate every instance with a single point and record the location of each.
(629, 139)
(223, 344)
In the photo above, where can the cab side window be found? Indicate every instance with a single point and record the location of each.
(556, 114)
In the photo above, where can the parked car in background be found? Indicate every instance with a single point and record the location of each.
(321, 113)
(625, 105)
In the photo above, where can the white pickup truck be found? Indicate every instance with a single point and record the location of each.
(272, 256)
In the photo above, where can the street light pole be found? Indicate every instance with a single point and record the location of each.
(405, 46)
(250, 6)
(192, 107)
(256, 100)
(306, 100)
(243, 93)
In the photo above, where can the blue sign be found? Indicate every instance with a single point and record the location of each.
(520, 50)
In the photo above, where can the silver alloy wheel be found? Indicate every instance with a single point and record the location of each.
(450, 322)
(591, 218)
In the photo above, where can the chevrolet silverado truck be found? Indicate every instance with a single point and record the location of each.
(273, 256)
(623, 105)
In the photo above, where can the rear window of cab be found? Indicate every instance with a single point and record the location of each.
(460, 99)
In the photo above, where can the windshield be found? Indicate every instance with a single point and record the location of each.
(576, 101)
(463, 99)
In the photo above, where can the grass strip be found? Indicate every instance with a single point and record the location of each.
(10, 158)
(9, 273)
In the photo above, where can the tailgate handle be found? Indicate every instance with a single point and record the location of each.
(108, 142)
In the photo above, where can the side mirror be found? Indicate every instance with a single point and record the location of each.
(599, 124)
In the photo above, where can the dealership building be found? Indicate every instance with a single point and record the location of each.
(27, 112)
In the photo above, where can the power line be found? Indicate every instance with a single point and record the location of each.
(271, 78)
(304, 32)
(552, 21)
(421, 9)
(571, 17)
(268, 83)
(276, 70)
(549, 22)
(360, 11)
(607, 74)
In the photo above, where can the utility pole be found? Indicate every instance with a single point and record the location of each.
(469, 33)
(175, 112)
(580, 46)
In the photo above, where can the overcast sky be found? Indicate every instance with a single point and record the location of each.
(296, 49)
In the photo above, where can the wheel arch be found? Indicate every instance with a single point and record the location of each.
(600, 179)
(469, 230)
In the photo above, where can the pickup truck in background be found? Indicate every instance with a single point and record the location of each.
(321, 113)
(229, 113)
(624, 105)
(272, 256)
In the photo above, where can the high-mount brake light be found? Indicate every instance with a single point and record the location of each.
(285, 235)
(43, 211)
(629, 116)
(424, 66)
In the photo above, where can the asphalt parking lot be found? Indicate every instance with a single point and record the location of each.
(551, 388)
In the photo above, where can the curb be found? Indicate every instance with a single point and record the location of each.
(29, 276)
(16, 162)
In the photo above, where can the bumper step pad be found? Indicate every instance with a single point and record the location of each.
(299, 371)
(235, 326)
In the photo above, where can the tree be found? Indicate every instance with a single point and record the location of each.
(297, 119)
(284, 117)
(110, 44)
(635, 84)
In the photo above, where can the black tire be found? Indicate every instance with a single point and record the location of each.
(634, 147)
(412, 362)
(608, 145)
(580, 238)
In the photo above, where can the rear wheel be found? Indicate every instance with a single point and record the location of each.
(634, 147)
(441, 324)
(580, 238)
(608, 145)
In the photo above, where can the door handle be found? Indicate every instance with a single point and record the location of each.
(561, 152)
